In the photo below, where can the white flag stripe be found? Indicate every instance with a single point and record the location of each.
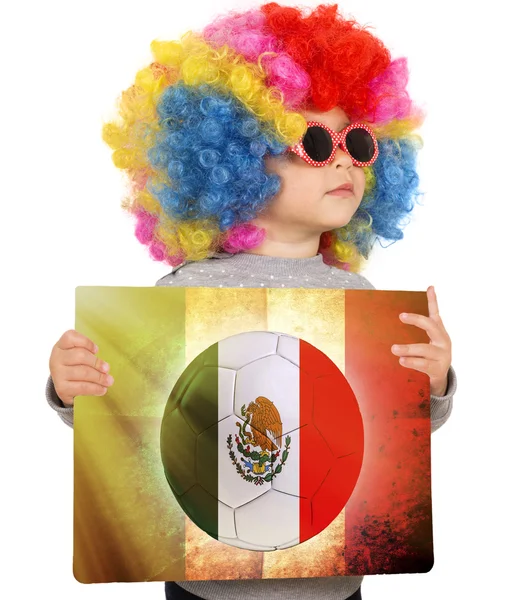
(267, 365)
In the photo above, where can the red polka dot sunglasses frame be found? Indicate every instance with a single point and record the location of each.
(361, 145)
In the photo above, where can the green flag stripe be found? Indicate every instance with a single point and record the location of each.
(189, 440)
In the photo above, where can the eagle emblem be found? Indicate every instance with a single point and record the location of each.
(260, 447)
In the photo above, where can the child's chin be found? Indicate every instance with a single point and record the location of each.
(339, 213)
(338, 220)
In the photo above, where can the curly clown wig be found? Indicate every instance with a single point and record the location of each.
(195, 127)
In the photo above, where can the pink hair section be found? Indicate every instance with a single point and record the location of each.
(245, 33)
(390, 98)
(145, 226)
(243, 237)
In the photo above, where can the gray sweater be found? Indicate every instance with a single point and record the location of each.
(251, 270)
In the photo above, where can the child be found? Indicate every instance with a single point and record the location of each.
(271, 150)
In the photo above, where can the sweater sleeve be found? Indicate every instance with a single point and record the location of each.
(441, 406)
(64, 412)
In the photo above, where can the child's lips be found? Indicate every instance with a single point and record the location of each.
(346, 189)
(341, 192)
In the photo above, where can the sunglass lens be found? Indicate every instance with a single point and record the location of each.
(317, 143)
(360, 144)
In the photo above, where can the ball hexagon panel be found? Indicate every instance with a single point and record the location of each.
(269, 520)
(226, 521)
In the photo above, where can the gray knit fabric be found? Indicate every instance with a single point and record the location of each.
(253, 271)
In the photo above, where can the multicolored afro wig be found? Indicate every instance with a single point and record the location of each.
(195, 127)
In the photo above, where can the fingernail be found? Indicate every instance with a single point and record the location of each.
(402, 360)
(403, 316)
(106, 367)
(110, 379)
(396, 347)
(96, 349)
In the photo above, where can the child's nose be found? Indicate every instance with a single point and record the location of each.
(342, 157)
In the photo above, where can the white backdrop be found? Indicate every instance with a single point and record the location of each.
(63, 66)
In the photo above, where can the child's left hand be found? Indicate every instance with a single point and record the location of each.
(433, 358)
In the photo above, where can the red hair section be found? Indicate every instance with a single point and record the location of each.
(340, 56)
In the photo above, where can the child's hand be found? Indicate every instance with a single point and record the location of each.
(75, 369)
(433, 358)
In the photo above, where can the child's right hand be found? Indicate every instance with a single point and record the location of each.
(75, 370)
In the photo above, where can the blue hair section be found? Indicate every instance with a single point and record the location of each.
(212, 150)
(392, 198)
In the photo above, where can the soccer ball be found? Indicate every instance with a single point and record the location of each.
(262, 441)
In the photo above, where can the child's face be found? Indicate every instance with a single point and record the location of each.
(303, 203)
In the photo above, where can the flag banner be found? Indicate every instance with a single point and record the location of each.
(251, 434)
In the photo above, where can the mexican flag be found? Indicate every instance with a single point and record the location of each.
(132, 445)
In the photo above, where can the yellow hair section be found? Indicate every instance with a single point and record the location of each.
(195, 239)
(370, 180)
(136, 133)
(400, 128)
(348, 253)
(199, 63)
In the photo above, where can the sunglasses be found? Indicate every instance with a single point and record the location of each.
(319, 144)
